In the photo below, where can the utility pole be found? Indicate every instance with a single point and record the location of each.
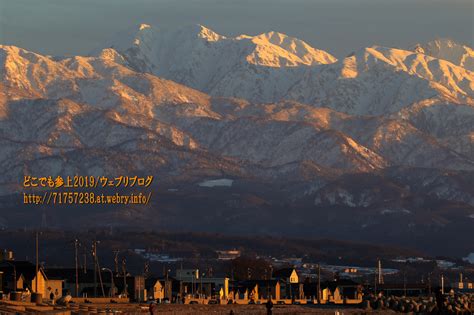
(442, 283)
(271, 276)
(429, 283)
(100, 275)
(85, 260)
(146, 269)
(94, 250)
(380, 275)
(192, 283)
(139, 287)
(291, 289)
(97, 269)
(167, 286)
(200, 290)
(375, 283)
(76, 245)
(404, 283)
(232, 282)
(319, 284)
(124, 271)
(116, 263)
(181, 295)
(37, 264)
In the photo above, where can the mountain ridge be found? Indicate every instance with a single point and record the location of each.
(302, 134)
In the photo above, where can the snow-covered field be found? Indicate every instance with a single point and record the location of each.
(470, 258)
(222, 182)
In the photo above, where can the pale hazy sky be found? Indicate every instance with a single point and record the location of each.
(60, 27)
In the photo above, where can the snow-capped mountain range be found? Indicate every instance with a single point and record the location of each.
(447, 49)
(190, 104)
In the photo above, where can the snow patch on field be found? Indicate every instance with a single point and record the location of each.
(222, 182)
(469, 258)
(391, 211)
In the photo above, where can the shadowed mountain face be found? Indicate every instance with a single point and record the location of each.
(260, 134)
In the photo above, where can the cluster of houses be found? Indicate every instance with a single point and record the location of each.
(18, 279)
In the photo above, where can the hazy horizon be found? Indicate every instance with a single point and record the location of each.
(66, 27)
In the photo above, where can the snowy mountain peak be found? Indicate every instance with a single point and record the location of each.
(143, 26)
(202, 32)
(450, 50)
(380, 80)
(150, 36)
(200, 58)
(443, 45)
(296, 51)
(112, 55)
(268, 49)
